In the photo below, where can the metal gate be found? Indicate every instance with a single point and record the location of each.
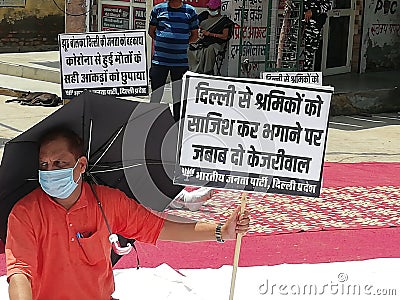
(283, 39)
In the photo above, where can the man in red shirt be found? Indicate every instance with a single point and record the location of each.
(58, 243)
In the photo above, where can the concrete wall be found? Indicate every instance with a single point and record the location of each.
(381, 36)
(34, 27)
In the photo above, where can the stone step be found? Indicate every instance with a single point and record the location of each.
(42, 66)
(14, 85)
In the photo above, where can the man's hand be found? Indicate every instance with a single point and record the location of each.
(307, 15)
(237, 223)
(205, 231)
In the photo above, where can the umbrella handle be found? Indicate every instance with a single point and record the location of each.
(113, 238)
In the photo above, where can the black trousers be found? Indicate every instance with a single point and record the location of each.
(158, 77)
(312, 37)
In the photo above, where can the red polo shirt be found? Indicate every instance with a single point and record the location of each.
(42, 243)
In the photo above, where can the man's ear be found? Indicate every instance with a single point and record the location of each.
(83, 162)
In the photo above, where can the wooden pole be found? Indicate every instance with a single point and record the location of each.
(237, 248)
(149, 40)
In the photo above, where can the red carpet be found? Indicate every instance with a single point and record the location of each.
(369, 200)
(356, 218)
(361, 174)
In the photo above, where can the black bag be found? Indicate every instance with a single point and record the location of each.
(321, 19)
(195, 46)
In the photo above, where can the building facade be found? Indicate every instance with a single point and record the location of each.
(30, 25)
(359, 35)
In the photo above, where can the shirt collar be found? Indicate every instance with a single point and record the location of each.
(80, 203)
(83, 198)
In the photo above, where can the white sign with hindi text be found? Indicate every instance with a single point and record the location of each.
(294, 77)
(108, 63)
(252, 135)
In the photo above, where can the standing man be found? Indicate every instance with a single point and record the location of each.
(173, 25)
(315, 15)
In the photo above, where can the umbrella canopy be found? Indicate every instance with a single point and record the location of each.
(130, 146)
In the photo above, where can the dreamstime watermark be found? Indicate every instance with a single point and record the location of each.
(341, 286)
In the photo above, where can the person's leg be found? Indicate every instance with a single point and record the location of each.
(210, 54)
(193, 58)
(199, 66)
(311, 42)
(158, 77)
(176, 78)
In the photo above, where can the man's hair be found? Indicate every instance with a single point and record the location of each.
(75, 142)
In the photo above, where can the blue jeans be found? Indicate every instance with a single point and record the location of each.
(158, 77)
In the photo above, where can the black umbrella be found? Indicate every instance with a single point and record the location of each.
(130, 146)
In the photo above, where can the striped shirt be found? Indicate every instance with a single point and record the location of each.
(173, 29)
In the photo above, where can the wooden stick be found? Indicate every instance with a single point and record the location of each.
(237, 248)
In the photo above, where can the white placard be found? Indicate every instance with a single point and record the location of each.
(108, 63)
(294, 77)
(252, 135)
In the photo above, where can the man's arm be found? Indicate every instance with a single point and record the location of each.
(19, 287)
(192, 232)
(21, 253)
(194, 36)
(152, 31)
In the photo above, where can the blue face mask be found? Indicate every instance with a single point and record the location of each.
(213, 13)
(58, 183)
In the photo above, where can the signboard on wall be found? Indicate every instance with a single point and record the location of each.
(195, 3)
(140, 24)
(381, 35)
(107, 63)
(251, 23)
(114, 17)
(12, 3)
(139, 18)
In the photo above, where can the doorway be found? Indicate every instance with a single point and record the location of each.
(338, 38)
